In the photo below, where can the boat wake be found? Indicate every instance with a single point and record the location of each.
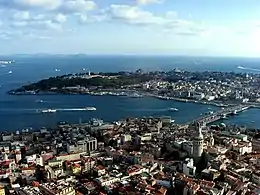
(65, 109)
(248, 68)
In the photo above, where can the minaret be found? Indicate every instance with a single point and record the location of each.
(198, 143)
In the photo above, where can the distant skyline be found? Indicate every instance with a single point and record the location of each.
(140, 27)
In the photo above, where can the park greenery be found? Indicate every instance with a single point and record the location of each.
(107, 81)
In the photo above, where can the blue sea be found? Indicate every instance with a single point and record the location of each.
(17, 112)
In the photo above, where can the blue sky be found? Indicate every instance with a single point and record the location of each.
(171, 27)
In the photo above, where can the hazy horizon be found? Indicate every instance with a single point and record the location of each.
(123, 55)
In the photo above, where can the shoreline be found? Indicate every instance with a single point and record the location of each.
(128, 93)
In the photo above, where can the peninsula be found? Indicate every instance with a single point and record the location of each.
(221, 87)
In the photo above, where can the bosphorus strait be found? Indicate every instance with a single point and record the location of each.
(21, 111)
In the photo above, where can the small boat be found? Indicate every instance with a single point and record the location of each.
(39, 101)
(173, 109)
(49, 111)
(57, 70)
(10, 72)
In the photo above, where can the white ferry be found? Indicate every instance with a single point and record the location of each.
(49, 111)
(90, 108)
(173, 109)
(6, 62)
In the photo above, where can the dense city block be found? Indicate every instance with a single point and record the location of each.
(133, 156)
(206, 86)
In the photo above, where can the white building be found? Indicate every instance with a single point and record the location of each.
(210, 97)
(243, 147)
(188, 167)
(146, 137)
(35, 159)
(125, 138)
(87, 145)
(198, 96)
(107, 180)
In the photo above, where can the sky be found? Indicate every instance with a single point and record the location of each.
(152, 27)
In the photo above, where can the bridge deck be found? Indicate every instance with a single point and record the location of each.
(221, 114)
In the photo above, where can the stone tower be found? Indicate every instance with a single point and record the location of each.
(197, 143)
(211, 139)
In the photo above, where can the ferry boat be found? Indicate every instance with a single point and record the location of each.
(6, 62)
(90, 108)
(173, 109)
(49, 111)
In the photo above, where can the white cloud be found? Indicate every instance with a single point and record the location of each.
(48, 24)
(50, 15)
(20, 24)
(21, 15)
(5, 36)
(133, 15)
(35, 36)
(37, 25)
(39, 4)
(39, 17)
(85, 18)
(60, 18)
(145, 2)
(77, 6)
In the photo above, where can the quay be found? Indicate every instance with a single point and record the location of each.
(221, 114)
